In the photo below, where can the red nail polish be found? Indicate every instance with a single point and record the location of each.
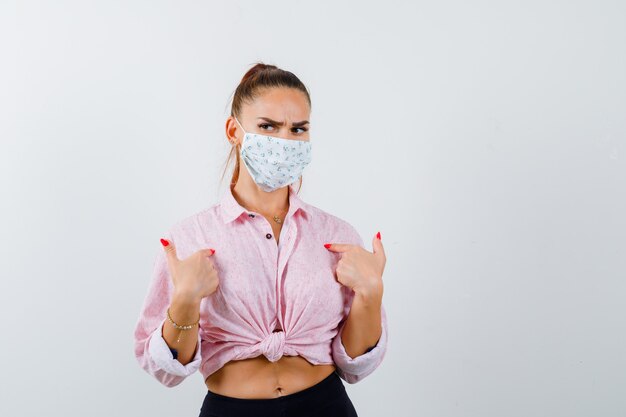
(327, 245)
(212, 251)
(164, 242)
(378, 235)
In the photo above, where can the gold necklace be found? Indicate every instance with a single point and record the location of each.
(275, 217)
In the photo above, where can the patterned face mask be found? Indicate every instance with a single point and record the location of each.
(274, 162)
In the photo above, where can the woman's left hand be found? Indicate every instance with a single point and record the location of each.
(359, 268)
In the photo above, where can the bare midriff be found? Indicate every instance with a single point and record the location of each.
(258, 378)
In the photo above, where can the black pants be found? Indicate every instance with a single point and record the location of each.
(327, 398)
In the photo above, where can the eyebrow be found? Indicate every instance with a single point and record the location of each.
(297, 124)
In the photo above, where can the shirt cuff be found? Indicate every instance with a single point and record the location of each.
(355, 369)
(163, 358)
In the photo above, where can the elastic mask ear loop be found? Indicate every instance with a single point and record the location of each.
(244, 132)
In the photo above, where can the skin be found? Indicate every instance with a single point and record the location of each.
(195, 278)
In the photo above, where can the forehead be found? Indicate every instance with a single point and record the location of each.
(279, 104)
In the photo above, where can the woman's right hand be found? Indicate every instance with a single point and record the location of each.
(194, 277)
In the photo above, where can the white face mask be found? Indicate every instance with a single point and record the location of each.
(274, 162)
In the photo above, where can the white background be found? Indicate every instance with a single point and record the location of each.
(485, 140)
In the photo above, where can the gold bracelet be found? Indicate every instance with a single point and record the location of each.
(179, 327)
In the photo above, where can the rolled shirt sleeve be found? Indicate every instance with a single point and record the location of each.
(352, 370)
(163, 357)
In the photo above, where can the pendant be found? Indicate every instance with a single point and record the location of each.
(277, 219)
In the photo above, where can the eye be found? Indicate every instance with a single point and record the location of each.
(264, 126)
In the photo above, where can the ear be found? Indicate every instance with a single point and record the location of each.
(231, 128)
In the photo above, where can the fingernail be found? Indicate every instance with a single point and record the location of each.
(212, 251)
(164, 242)
(378, 235)
(327, 245)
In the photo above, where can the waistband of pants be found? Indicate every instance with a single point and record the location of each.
(326, 389)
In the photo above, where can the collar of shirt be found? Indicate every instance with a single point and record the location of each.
(231, 209)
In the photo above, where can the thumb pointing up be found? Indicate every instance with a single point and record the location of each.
(379, 250)
(172, 256)
(194, 276)
(170, 251)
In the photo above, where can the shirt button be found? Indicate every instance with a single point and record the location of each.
(250, 215)
(269, 235)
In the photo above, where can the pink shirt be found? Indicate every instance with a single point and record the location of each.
(262, 286)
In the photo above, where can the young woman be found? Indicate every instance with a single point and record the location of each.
(273, 299)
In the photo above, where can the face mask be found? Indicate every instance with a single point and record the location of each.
(274, 162)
